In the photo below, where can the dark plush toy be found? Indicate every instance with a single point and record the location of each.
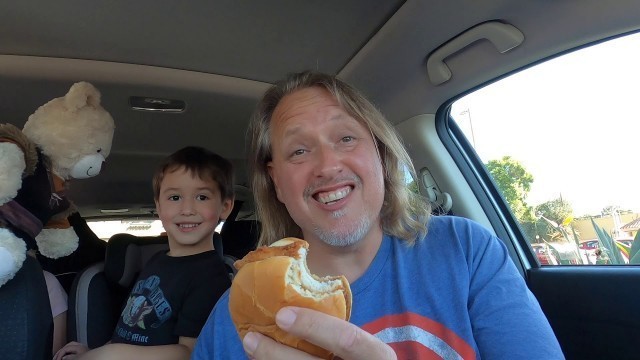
(68, 137)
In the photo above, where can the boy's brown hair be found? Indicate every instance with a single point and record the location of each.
(200, 162)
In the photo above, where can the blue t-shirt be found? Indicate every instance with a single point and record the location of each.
(454, 295)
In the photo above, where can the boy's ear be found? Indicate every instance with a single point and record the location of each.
(227, 206)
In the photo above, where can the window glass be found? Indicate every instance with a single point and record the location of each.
(561, 141)
(104, 229)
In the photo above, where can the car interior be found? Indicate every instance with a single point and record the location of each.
(177, 74)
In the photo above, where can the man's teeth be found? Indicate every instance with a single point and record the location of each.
(334, 196)
(188, 225)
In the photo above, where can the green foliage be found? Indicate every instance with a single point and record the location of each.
(634, 253)
(413, 186)
(608, 246)
(565, 244)
(514, 181)
(557, 210)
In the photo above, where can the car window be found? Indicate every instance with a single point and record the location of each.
(104, 229)
(560, 141)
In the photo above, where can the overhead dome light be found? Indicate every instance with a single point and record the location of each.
(114, 211)
(142, 103)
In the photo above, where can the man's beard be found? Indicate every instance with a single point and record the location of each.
(355, 230)
(351, 236)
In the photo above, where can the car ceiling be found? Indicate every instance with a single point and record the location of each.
(220, 56)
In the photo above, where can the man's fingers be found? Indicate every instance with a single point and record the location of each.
(344, 339)
(261, 347)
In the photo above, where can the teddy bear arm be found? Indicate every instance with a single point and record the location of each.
(56, 243)
(12, 254)
(12, 167)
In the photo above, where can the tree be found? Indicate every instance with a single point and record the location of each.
(554, 217)
(514, 181)
(413, 186)
(557, 210)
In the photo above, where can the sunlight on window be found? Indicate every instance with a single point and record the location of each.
(560, 141)
(105, 229)
(572, 122)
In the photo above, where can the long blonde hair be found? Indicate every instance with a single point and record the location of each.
(404, 214)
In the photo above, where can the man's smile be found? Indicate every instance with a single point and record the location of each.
(332, 196)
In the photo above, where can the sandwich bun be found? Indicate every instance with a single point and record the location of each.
(276, 276)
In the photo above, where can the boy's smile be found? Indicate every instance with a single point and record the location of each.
(187, 227)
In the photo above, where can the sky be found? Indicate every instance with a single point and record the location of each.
(573, 122)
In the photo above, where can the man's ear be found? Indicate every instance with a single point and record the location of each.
(273, 179)
(227, 206)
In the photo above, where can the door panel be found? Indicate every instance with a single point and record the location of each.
(594, 310)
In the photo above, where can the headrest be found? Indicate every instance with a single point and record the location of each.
(239, 237)
(127, 254)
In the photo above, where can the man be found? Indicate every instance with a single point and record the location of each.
(327, 167)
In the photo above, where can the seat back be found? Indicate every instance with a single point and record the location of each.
(99, 291)
(226, 259)
(26, 324)
(239, 237)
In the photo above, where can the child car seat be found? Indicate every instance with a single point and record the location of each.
(99, 291)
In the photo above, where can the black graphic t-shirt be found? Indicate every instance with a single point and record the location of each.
(172, 297)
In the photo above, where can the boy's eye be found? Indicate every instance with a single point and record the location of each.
(174, 197)
(202, 197)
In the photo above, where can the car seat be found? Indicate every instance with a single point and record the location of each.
(26, 324)
(99, 291)
(239, 237)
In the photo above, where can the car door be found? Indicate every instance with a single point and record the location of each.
(547, 154)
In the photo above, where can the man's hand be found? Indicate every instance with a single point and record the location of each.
(71, 351)
(344, 339)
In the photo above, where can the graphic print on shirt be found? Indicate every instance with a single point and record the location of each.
(414, 336)
(146, 308)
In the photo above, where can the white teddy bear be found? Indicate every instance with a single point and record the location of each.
(68, 137)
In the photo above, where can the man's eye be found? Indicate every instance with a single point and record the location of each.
(347, 139)
(298, 152)
(174, 197)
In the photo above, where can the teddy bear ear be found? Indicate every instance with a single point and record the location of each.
(82, 94)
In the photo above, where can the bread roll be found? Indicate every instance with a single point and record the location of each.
(270, 278)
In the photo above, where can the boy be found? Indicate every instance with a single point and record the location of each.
(174, 293)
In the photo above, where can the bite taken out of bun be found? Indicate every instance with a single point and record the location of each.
(272, 277)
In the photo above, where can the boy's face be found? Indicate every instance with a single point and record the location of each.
(190, 209)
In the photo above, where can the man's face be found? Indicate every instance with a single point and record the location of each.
(325, 168)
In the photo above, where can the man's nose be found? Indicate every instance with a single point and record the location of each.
(329, 161)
